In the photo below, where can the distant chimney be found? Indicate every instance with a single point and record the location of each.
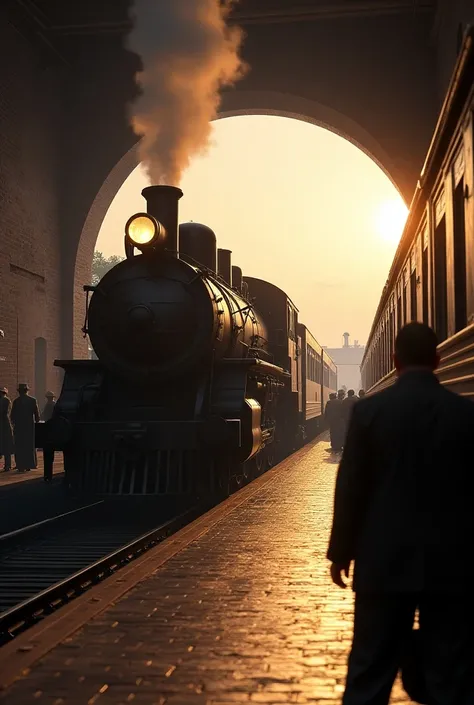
(346, 340)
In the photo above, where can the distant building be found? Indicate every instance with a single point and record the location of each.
(348, 360)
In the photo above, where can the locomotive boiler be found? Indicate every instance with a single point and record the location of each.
(184, 394)
(157, 316)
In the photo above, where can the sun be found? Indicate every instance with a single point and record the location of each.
(390, 218)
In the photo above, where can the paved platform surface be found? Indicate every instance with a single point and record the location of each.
(244, 612)
(12, 477)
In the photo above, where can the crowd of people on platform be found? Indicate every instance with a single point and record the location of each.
(338, 413)
(17, 428)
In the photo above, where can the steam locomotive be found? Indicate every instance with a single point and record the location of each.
(203, 378)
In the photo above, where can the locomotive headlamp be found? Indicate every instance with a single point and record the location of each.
(142, 229)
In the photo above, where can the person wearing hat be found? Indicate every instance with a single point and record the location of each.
(6, 433)
(24, 415)
(338, 432)
(48, 454)
(49, 406)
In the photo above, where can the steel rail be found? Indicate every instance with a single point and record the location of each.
(31, 527)
(16, 619)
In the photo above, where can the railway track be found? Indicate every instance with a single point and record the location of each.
(46, 564)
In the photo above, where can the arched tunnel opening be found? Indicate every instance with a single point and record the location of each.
(297, 204)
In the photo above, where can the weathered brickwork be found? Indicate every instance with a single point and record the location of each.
(97, 135)
(245, 613)
(30, 264)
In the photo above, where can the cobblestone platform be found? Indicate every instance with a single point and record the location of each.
(12, 477)
(245, 612)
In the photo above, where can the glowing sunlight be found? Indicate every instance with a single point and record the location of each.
(390, 218)
(295, 203)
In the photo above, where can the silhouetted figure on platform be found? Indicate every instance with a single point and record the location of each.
(6, 433)
(361, 394)
(330, 413)
(346, 408)
(48, 454)
(404, 513)
(338, 425)
(24, 415)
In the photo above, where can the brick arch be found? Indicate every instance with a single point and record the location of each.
(298, 108)
(235, 103)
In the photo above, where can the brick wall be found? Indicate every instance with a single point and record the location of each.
(96, 137)
(29, 231)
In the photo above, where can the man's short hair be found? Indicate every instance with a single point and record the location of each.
(415, 345)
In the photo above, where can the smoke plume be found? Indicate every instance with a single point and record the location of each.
(189, 53)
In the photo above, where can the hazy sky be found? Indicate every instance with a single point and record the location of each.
(298, 206)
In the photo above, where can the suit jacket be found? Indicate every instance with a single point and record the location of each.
(347, 405)
(404, 501)
(332, 410)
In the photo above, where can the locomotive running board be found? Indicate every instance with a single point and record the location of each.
(261, 365)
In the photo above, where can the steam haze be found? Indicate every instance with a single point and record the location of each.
(188, 53)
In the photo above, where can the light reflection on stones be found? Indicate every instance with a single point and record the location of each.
(246, 613)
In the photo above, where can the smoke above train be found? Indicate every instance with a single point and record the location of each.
(189, 53)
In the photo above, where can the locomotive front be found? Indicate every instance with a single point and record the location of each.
(156, 315)
(183, 382)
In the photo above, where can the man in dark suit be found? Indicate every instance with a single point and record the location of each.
(346, 408)
(330, 413)
(338, 428)
(404, 513)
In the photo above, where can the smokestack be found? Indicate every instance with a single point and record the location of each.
(162, 204)
(237, 278)
(346, 339)
(224, 268)
(198, 243)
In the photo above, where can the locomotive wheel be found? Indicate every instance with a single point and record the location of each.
(237, 477)
(222, 479)
(270, 459)
(259, 463)
(247, 474)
